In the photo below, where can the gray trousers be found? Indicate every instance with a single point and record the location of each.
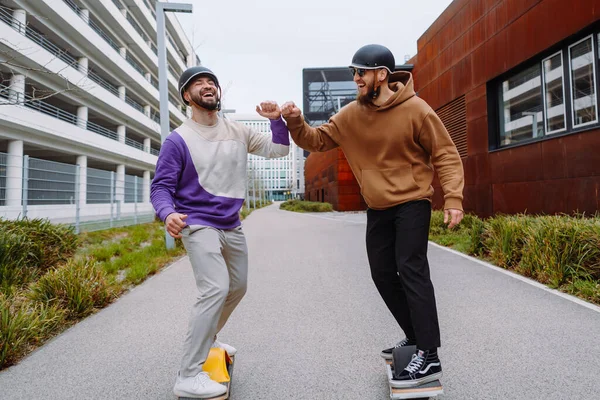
(219, 259)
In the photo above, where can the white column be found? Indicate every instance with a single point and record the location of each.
(147, 76)
(121, 129)
(189, 61)
(19, 20)
(82, 117)
(146, 198)
(147, 145)
(124, 12)
(123, 52)
(17, 86)
(122, 92)
(147, 110)
(85, 14)
(120, 184)
(14, 173)
(83, 65)
(82, 162)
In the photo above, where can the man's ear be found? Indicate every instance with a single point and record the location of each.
(186, 96)
(382, 75)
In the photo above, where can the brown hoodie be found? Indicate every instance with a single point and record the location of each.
(392, 149)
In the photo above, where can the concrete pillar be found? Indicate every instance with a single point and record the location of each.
(82, 162)
(14, 173)
(189, 61)
(148, 76)
(146, 192)
(85, 14)
(17, 86)
(123, 51)
(120, 184)
(20, 20)
(124, 12)
(147, 110)
(82, 117)
(83, 65)
(121, 129)
(147, 145)
(122, 92)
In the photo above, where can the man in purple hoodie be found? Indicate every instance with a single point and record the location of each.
(198, 190)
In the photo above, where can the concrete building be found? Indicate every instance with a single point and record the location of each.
(279, 178)
(516, 84)
(79, 105)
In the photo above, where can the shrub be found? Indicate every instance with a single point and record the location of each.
(78, 287)
(23, 323)
(559, 249)
(504, 238)
(306, 206)
(44, 244)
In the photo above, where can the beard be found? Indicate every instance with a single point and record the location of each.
(210, 104)
(368, 98)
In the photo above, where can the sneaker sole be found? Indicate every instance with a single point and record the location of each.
(387, 356)
(415, 382)
(179, 393)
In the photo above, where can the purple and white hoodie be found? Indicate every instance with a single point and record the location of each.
(201, 170)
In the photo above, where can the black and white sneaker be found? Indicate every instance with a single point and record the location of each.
(387, 353)
(424, 367)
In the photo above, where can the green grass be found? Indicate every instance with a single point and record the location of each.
(43, 294)
(562, 252)
(306, 206)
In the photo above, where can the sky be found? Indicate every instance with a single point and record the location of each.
(258, 48)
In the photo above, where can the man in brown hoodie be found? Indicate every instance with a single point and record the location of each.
(393, 141)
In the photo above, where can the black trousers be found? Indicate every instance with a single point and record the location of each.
(397, 250)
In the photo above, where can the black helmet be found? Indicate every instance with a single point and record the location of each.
(374, 56)
(189, 74)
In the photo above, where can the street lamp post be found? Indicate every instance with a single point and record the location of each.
(163, 88)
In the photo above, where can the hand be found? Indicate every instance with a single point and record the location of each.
(269, 109)
(453, 216)
(289, 110)
(175, 224)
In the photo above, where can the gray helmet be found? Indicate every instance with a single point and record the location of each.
(374, 56)
(190, 74)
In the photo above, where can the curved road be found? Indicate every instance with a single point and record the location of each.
(312, 325)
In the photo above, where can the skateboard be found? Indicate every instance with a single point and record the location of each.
(402, 356)
(219, 366)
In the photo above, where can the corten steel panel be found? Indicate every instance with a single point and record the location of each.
(477, 108)
(554, 157)
(495, 55)
(476, 93)
(518, 197)
(587, 195)
(584, 154)
(481, 169)
(477, 136)
(518, 164)
(462, 76)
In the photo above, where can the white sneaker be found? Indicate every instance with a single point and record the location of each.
(229, 349)
(197, 386)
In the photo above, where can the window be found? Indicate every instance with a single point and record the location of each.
(583, 82)
(555, 93)
(521, 107)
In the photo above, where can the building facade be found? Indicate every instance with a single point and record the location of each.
(79, 101)
(274, 179)
(516, 84)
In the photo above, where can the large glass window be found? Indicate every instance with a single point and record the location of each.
(521, 116)
(583, 82)
(554, 94)
(554, 104)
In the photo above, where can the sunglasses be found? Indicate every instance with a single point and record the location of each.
(361, 71)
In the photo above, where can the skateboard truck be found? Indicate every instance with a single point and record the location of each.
(219, 366)
(401, 357)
